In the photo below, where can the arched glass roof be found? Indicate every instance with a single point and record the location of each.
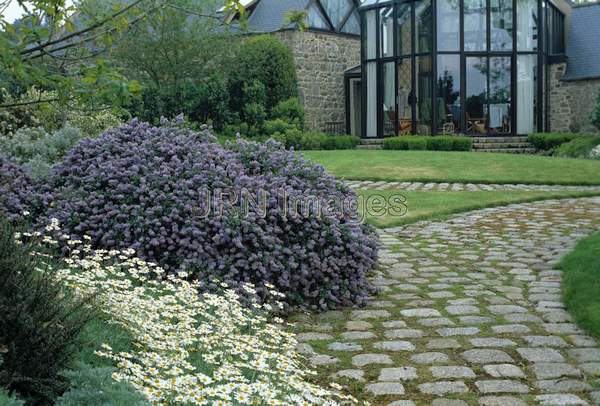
(372, 3)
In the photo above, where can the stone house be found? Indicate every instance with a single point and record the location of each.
(378, 68)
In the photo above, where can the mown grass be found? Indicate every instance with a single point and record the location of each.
(436, 205)
(582, 284)
(438, 166)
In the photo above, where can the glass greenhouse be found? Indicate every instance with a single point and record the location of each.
(453, 66)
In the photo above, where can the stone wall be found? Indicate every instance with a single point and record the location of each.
(321, 60)
(571, 102)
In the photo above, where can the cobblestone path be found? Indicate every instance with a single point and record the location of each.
(467, 187)
(470, 313)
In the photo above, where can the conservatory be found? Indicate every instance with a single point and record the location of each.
(474, 67)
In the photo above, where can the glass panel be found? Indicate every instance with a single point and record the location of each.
(475, 25)
(448, 94)
(316, 18)
(423, 20)
(337, 10)
(527, 25)
(404, 23)
(405, 96)
(387, 32)
(475, 95)
(389, 98)
(501, 25)
(370, 34)
(371, 119)
(352, 26)
(448, 21)
(527, 103)
(424, 93)
(499, 98)
(355, 107)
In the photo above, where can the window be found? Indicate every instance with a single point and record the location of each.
(316, 18)
(352, 26)
(499, 98)
(424, 92)
(448, 30)
(527, 103)
(404, 23)
(555, 29)
(527, 25)
(475, 25)
(370, 34)
(388, 75)
(448, 94)
(386, 29)
(476, 94)
(423, 21)
(337, 10)
(501, 30)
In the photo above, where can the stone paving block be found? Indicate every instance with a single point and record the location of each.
(492, 342)
(436, 322)
(403, 333)
(504, 371)
(540, 354)
(591, 368)
(511, 329)
(356, 374)
(397, 374)
(476, 320)
(394, 324)
(394, 346)
(501, 386)
(462, 310)
(420, 313)
(369, 314)
(385, 388)
(402, 403)
(562, 385)
(561, 328)
(313, 337)
(323, 360)
(506, 309)
(441, 388)
(430, 358)
(458, 331)
(486, 356)
(365, 359)
(344, 346)
(501, 401)
(443, 343)
(448, 402)
(358, 325)
(451, 372)
(563, 399)
(545, 341)
(585, 354)
(358, 335)
(546, 370)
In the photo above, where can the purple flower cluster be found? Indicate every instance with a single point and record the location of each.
(175, 197)
(16, 189)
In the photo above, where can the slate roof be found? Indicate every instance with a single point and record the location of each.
(583, 45)
(269, 15)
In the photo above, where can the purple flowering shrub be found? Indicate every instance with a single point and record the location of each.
(237, 213)
(16, 190)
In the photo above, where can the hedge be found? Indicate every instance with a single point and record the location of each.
(550, 141)
(295, 138)
(579, 147)
(430, 143)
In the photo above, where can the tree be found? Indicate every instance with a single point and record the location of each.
(62, 48)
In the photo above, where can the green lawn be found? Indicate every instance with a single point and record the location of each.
(421, 205)
(382, 165)
(582, 283)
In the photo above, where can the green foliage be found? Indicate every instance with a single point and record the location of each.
(578, 147)
(435, 143)
(38, 150)
(581, 270)
(39, 323)
(212, 104)
(92, 386)
(549, 141)
(267, 60)
(8, 400)
(289, 110)
(295, 138)
(278, 125)
(595, 116)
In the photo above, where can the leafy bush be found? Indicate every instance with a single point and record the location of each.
(16, 190)
(549, 141)
(579, 147)
(268, 60)
(278, 126)
(91, 386)
(146, 188)
(595, 116)
(39, 323)
(213, 104)
(290, 111)
(435, 143)
(37, 150)
(295, 138)
(8, 400)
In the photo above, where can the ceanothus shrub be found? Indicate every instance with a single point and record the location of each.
(16, 190)
(175, 197)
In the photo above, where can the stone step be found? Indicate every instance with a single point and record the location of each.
(499, 139)
(371, 141)
(371, 146)
(501, 145)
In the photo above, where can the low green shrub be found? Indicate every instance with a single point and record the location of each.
(7, 400)
(39, 323)
(431, 143)
(38, 150)
(290, 111)
(579, 147)
(91, 386)
(278, 126)
(295, 138)
(550, 141)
